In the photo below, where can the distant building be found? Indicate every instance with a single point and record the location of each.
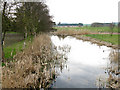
(107, 24)
(97, 25)
(100, 24)
(69, 25)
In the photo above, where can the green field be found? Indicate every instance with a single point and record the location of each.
(106, 37)
(92, 29)
(103, 37)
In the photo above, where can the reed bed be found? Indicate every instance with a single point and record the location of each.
(34, 67)
(113, 70)
(71, 32)
(112, 81)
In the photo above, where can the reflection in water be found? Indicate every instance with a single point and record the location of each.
(85, 64)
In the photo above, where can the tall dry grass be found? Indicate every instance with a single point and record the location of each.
(112, 81)
(34, 67)
(113, 70)
(114, 57)
(71, 32)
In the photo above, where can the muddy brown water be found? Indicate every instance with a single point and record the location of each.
(86, 63)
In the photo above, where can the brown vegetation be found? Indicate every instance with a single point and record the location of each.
(112, 81)
(71, 32)
(113, 71)
(96, 41)
(79, 34)
(34, 67)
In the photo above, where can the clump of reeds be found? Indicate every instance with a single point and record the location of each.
(113, 71)
(34, 67)
(71, 32)
(101, 81)
(114, 56)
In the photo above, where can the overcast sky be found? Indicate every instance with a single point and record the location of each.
(83, 11)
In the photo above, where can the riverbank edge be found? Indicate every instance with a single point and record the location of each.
(96, 41)
(90, 39)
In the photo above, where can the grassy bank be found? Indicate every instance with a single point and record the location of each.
(11, 50)
(106, 37)
(91, 29)
(79, 32)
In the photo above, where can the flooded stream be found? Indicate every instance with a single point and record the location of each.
(85, 63)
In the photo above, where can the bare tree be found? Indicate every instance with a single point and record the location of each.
(6, 23)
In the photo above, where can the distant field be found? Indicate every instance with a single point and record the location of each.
(92, 29)
(106, 37)
(103, 37)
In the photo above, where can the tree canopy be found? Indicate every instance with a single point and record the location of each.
(27, 17)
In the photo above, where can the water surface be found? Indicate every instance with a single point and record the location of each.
(85, 64)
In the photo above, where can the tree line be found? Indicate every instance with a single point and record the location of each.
(29, 18)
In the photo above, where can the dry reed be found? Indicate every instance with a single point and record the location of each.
(34, 67)
(71, 32)
(113, 72)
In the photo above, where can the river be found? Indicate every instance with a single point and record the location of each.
(86, 63)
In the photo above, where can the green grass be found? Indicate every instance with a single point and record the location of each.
(92, 29)
(13, 32)
(106, 37)
(103, 37)
(14, 48)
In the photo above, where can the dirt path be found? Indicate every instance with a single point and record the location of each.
(13, 38)
(106, 33)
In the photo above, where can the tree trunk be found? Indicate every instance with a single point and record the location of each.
(0, 38)
(25, 33)
(3, 36)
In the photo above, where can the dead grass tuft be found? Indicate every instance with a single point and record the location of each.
(114, 57)
(71, 32)
(112, 81)
(34, 67)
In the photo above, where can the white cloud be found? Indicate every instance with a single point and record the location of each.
(85, 11)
